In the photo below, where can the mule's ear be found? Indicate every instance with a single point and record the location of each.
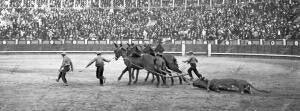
(121, 45)
(116, 45)
(128, 44)
(122, 48)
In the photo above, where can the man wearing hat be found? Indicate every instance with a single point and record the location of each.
(64, 68)
(193, 62)
(100, 66)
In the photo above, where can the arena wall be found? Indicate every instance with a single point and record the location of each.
(223, 48)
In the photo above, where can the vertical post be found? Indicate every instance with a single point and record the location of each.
(239, 42)
(209, 50)
(198, 2)
(112, 4)
(107, 41)
(28, 42)
(284, 42)
(194, 41)
(4, 42)
(74, 4)
(136, 3)
(62, 41)
(40, 41)
(85, 41)
(129, 41)
(236, 1)
(161, 3)
(210, 3)
(261, 41)
(216, 41)
(173, 41)
(17, 41)
(223, 2)
(183, 47)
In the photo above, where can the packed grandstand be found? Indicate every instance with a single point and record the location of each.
(149, 19)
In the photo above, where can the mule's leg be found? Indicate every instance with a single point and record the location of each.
(158, 81)
(123, 72)
(129, 82)
(172, 80)
(180, 80)
(153, 78)
(147, 76)
(133, 73)
(163, 80)
(137, 76)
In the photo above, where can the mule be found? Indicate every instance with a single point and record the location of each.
(146, 61)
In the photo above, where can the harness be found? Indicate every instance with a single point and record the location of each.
(155, 72)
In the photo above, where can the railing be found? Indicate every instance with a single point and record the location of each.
(282, 42)
(270, 48)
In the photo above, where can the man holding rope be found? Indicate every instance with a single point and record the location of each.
(193, 62)
(100, 67)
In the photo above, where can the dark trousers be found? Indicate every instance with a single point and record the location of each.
(99, 74)
(62, 74)
(194, 68)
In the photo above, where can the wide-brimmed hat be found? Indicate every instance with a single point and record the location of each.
(63, 53)
(191, 52)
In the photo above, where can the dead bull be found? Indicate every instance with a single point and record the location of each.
(229, 84)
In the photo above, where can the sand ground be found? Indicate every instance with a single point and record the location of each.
(27, 82)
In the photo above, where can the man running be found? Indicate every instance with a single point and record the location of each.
(64, 68)
(100, 67)
(192, 61)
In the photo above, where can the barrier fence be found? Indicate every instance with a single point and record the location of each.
(213, 42)
(237, 47)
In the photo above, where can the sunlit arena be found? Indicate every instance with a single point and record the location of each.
(161, 55)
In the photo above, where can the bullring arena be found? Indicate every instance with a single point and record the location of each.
(28, 83)
(252, 40)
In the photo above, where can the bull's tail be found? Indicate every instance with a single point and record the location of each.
(259, 90)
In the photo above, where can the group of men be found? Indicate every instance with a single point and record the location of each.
(67, 65)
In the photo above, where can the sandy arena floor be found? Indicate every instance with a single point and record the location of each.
(27, 82)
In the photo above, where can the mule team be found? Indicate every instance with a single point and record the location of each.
(159, 64)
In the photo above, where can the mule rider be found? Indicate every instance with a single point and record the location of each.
(64, 68)
(100, 67)
(193, 62)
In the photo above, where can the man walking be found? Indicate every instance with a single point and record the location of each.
(64, 68)
(100, 67)
(192, 61)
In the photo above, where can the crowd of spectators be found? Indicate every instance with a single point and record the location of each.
(56, 20)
